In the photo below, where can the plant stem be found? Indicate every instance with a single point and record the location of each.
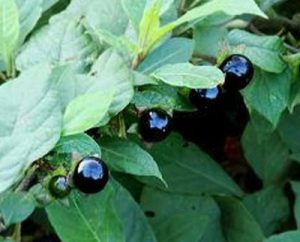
(23, 186)
(16, 236)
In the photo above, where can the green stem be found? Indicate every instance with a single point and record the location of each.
(16, 236)
(23, 186)
(122, 126)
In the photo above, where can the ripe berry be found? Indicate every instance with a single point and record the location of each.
(238, 71)
(205, 99)
(90, 175)
(59, 186)
(155, 125)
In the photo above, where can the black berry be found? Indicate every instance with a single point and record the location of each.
(205, 99)
(238, 71)
(90, 175)
(155, 125)
(59, 186)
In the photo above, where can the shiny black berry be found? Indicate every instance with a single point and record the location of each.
(90, 175)
(205, 99)
(238, 71)
(59, 186)
(155, 125)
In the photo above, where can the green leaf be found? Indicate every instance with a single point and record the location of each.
(161, 96)
(33, 125)
(30, 11)
(198, 217)
(15, 207)
(291, 236)
(135, 225)
(79, 143)
(212, 34)
(188, 170)
(270, 208)
(268, 94)
(296, 189)
(111, 72)
(188, 75)
(128, 157)
(85, 111)
(238, 223)
(289, 129)
(264, 51)
(148, 26)
(134, 10)
(87, 218)
(9, 31)
(268, 157)
(175, 50)
(60, 42)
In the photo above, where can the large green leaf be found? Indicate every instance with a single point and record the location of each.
(85, 111)
(270, 208)
(81, 144)
(175, 50)
(188, 75)
(263, 51)
(9, 31)
(111, 215)
(198, 217)
(111, 72)
(87, 219)
(161, 96)
(268, 157)
(62, 41)
(268, 94)
(289, 129)
(135, 225)
(33, 125)
(126, 156)
(238, 224)
(30, 11)
(15, 207)
(291, 236)
(188, 170)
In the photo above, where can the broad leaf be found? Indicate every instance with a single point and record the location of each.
(60, 42)
(238, 223)
(268, 157)
(289, 129)
(291, 236)
(15, 207)
(9, 31)
(126, 156)
(188, 75)
(268, 94)
(175, 50)
(81, 144)
(85, 111)
(110, 72)
(88, 219)
(265, 52)
(111, 215)
(270, 208)
(188, 170)
(30, 11)
(198, 217)
(34, 123)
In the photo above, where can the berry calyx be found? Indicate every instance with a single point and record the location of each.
(205, 99)
(90, 175)
(155, 125)
(59, 186)
(238, 71)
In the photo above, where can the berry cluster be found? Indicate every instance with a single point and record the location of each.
(238, 71)
(90, 176)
